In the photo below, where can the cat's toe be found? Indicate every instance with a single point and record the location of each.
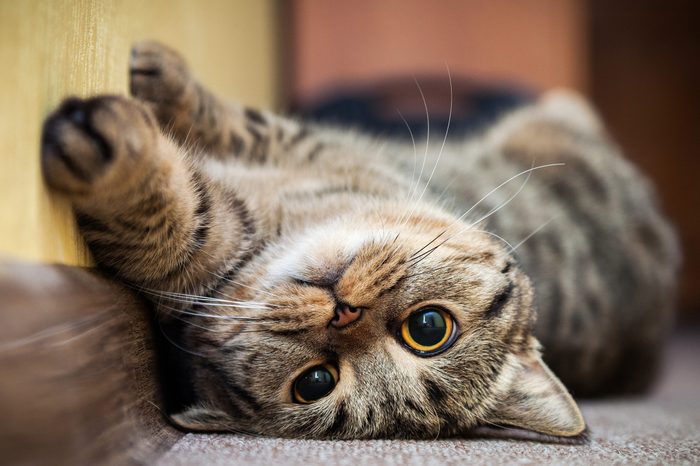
(159, 76)
(84, 138)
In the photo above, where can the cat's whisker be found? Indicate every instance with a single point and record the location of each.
(223, 317)
(461, 217)
(411, 204)
(513, 248)
(444, 139)
(257, 290)
(206, 299)
(240, 305)
(504, 203)
(415, 260)
(490, 233)
(212, 303)
(169, 340)
(442, 147)
(446, 188)
(517, 175)
(189, 322)
(435, 238)
(234, 282)
(413, 143)
(411, 192)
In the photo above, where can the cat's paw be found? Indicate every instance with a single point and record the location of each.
(159, 76)
(86, 142)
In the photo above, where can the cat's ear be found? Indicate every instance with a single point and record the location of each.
(203, 418)
(536, 400)
(572, 108)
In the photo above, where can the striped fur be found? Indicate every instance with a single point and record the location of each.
(248, 229)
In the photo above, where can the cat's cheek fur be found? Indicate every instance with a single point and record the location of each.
(531, 397)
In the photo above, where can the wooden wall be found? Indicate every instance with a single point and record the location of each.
(53, 48)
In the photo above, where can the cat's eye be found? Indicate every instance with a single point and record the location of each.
(315, 383)
(428, 331)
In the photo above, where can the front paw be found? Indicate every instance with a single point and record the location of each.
(87, 142)
(159, 76)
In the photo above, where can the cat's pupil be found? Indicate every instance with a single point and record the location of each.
(313, 384)
(428, 327)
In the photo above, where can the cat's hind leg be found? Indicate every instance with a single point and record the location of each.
(149, 217)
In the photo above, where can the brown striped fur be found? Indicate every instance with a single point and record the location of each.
(248, 229)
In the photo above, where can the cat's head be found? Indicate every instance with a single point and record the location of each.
(390, 326)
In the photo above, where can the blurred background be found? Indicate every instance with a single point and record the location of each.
(355, 62)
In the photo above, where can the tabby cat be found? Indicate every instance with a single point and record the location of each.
(332, 285)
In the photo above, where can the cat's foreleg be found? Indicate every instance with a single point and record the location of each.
(147, 214)
(195, 117)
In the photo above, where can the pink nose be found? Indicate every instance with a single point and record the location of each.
(345, 315)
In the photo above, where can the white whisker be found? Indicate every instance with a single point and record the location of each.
(444, 140)
(513, 248)
(411, 204)
(430, 251)
(507, 201)
(165, 335)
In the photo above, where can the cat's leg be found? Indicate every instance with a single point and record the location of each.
(160, 77)
(147, 214)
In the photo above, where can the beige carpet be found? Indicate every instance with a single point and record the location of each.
(663, 428)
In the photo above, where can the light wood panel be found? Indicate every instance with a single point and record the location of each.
(53, 48)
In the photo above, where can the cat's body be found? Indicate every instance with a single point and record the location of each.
(282, 246)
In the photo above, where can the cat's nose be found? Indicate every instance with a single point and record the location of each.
(345, 315)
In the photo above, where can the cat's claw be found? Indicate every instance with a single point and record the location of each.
(84, 139)
(159, 76)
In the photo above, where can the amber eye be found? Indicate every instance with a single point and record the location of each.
(428, 331)
(315, 383)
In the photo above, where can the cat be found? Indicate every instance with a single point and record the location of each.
(329, 284)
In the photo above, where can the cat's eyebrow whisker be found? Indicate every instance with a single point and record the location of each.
(442, 148)
(418, 259)
(444, 139)
(506, 202)
(423, 256)
(413, 174)
(513, 248)
(528, 172)
(446, 188)
(497, 237)
(413, 143)
(461, 217)
(435, 238)
(411, 204)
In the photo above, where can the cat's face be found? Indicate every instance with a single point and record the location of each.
(396, 328)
